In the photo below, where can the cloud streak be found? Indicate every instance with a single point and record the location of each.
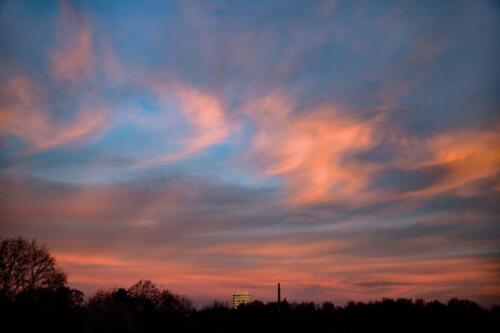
(313, 150)
(99, 236)
(26, 114)
(73, 60)
(203, 112)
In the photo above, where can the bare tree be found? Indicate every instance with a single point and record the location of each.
(25, 266)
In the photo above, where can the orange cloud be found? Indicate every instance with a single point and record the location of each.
(313, 151)
(467, 155)
(25, 114)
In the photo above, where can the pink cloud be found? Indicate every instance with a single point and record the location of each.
(201, 111)
(29, 110)
(26, 114)
(339, 278)
(311, 150)
(468, 156)
(205, 114)
(73, 60)
(314, 151)
(104, 238)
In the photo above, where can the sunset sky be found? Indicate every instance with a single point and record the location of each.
(347, 149)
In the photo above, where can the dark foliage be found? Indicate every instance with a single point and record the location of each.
(43, 310)
(141, 308)
(146, 307)
(25, 266)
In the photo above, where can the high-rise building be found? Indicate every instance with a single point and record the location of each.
(241, 297)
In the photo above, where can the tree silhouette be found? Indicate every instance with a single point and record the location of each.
(25, 266)
(143, 307)
(39, 301)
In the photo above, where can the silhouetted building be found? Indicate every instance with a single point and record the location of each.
(279, 293)
(241, 297)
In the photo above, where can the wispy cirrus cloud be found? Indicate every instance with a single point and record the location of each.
(463, 156)
(37, 113)
(468, 155)
(318, 153)
(204, 114)
(73, 60)
(313, 150)
(27, 114)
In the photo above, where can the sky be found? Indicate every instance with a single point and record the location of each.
(349, 150)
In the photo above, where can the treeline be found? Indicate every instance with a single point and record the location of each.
(34, 297)
(145, 307)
